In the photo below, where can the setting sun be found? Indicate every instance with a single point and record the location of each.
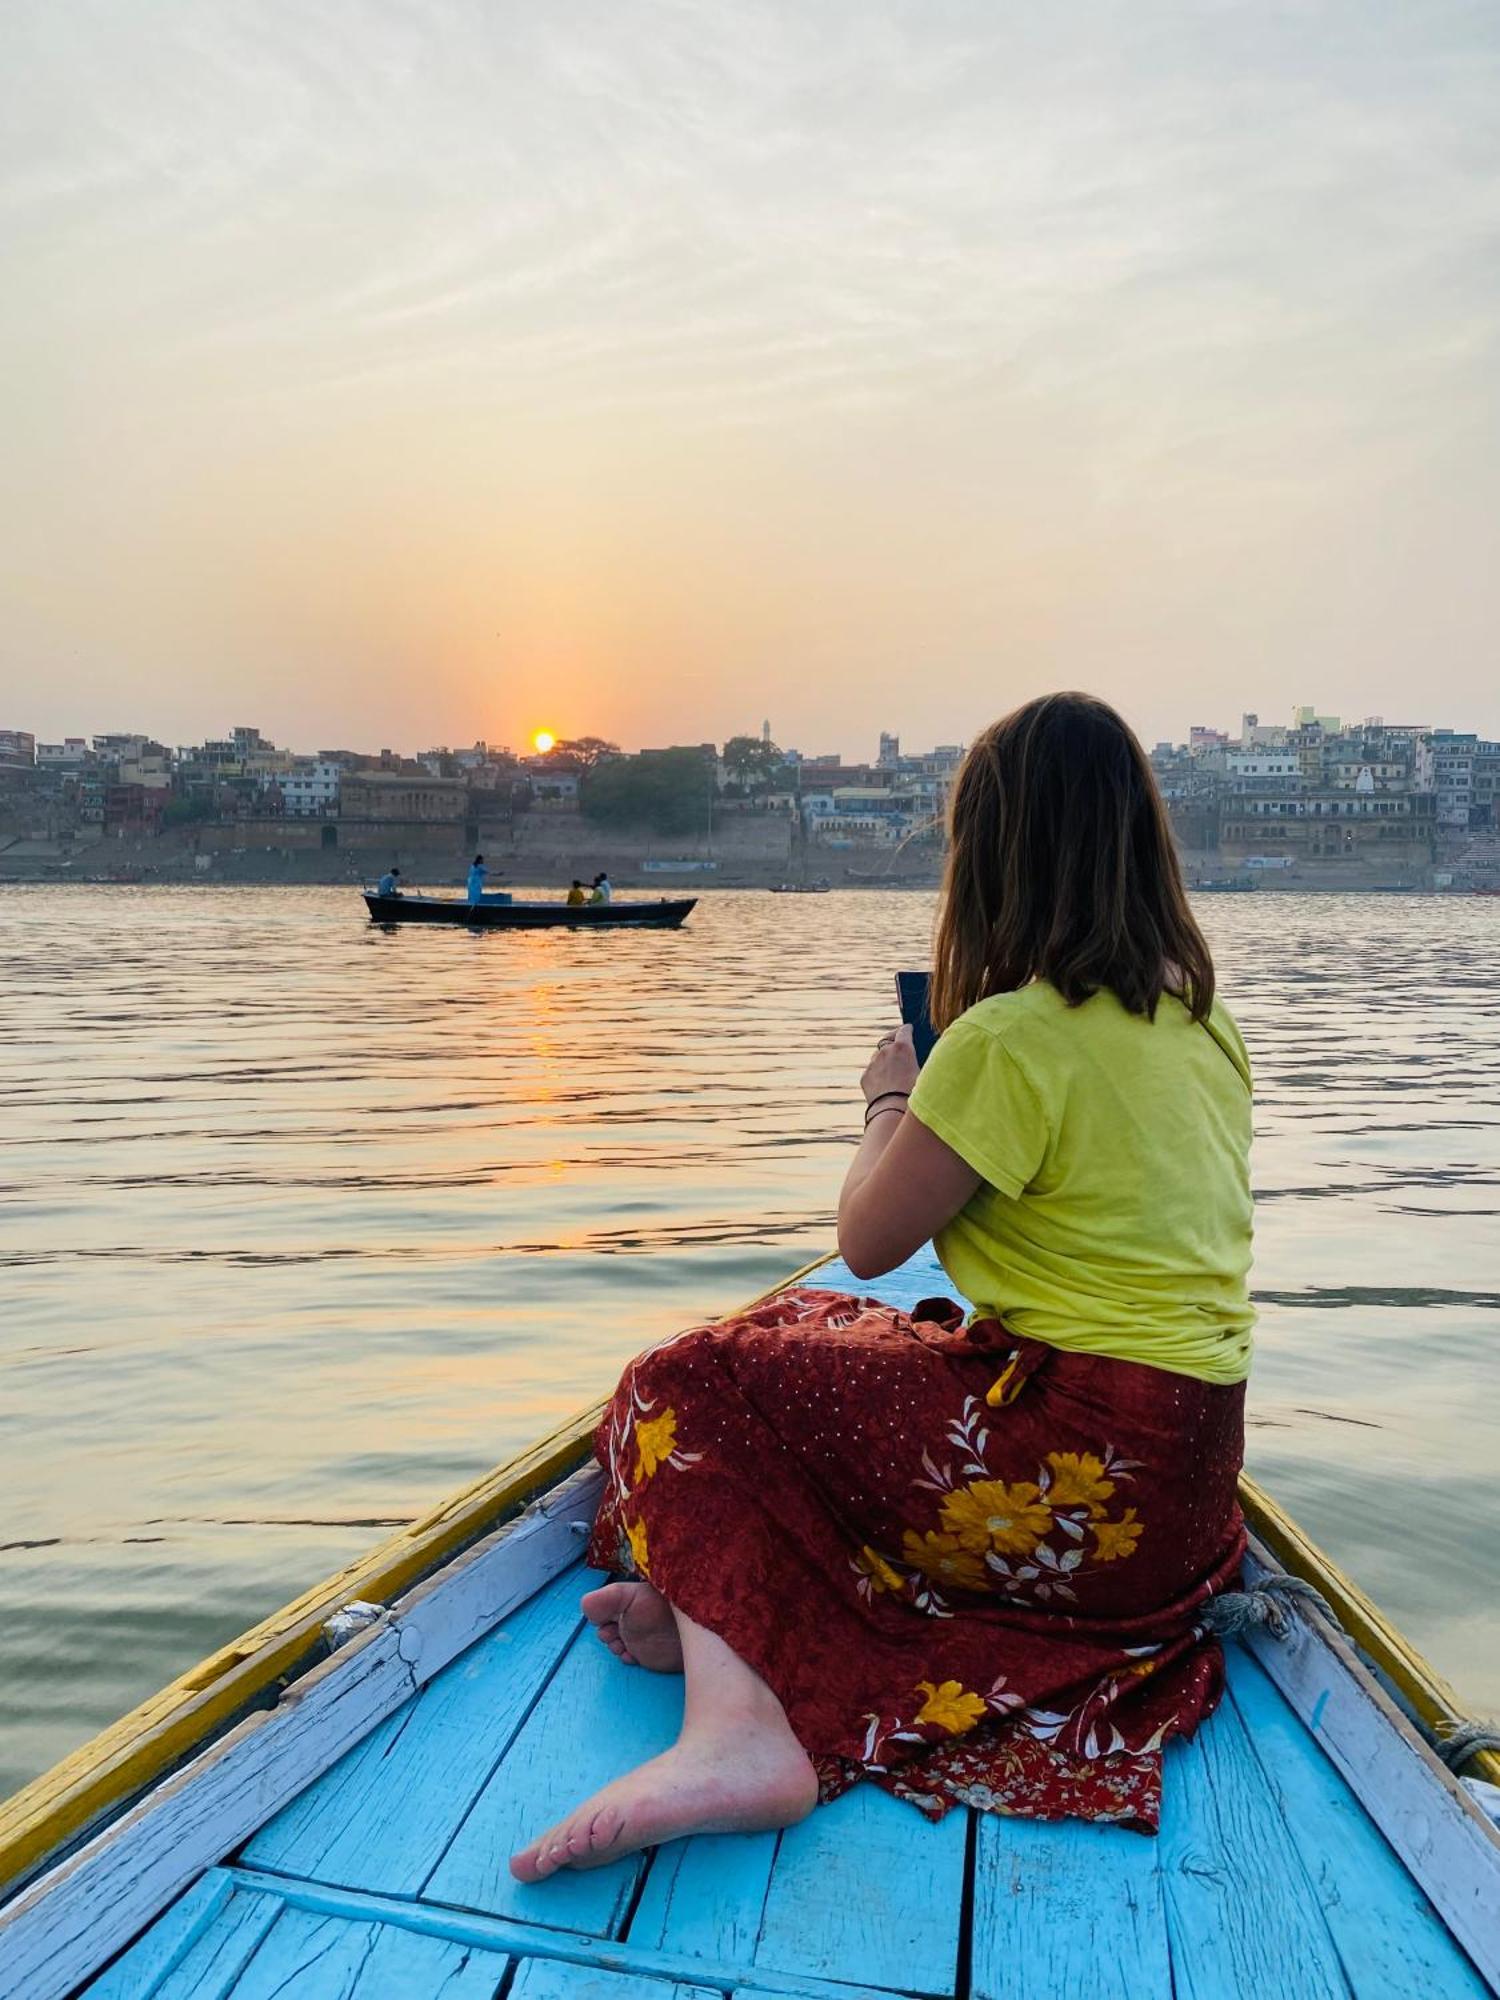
(543, 741)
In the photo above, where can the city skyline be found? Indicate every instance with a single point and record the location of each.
(539, 742)
(483, 370)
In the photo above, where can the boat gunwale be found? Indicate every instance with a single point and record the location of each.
(104, 1776)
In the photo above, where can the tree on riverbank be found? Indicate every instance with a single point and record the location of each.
(752, 764)
(670, 791)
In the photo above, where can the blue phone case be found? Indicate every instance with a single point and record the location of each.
(911, 996)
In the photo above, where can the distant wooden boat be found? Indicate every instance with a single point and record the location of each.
(800, 888)
(666, 913)
(326, 1807)
(1225, 885)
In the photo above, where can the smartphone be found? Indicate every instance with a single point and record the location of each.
(911, 997)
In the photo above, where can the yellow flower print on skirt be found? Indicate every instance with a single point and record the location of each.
(1114, 1540)
(949, 1706)
(635, 1535)
(992, 1514)
(655, 1441)
(1077, 1480)
(945, 1559)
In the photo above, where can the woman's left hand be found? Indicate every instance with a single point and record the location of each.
(893, 1067)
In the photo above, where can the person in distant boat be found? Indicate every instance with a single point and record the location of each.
(577, 894)
(966, 1555)
(601, 890)
(477, 873)
(389, 883)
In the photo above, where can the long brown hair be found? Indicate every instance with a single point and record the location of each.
(1061, 867)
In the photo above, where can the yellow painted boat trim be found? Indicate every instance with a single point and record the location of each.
(105, 1774)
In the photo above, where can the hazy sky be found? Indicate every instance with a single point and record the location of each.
(403, 371)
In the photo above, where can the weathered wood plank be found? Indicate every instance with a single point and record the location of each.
(197, 1934)
(866, 1887)
(68, 1923)
(213, 1968)
(318, 1957)
(595, 1720)
(706, 1896)
(384, 1816)
(1067, 1908)
(549, 1979)
(1420, 1807)
(1241, 1916)
(1388, 1935)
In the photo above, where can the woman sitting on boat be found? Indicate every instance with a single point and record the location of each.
(965, 1558)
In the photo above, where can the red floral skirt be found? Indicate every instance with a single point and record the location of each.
(967, 1564)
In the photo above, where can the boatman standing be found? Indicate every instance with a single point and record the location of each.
(389, 883)
(477, 873)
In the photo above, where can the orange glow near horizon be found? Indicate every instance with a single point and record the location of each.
(543, 741)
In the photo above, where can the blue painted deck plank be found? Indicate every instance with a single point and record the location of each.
(384, 1816)
(867, 1889)
(1065, 1907)
(198, 1946)
(1242, 1918)
(705, 1897)
(1388, 1936)
(596, 1720)
(920, 1277)
(317, 1957)
(550, 1979)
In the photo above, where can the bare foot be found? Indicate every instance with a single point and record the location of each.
(636, 1623)
(746, 1781)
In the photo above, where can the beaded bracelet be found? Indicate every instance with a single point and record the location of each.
(870, 1107)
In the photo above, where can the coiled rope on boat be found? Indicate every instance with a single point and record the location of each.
(1240, 1611)
(1462, 1739)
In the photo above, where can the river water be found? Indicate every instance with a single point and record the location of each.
(303, 1224)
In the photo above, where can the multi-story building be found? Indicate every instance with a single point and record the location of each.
(1343, 772)
(133, 810)
(69, 755)
(1329, 825)
(395, 795)
(1258, 770)
(113, 745)
(1258, 735)
(311, 789)
(17, 750)
(1445, 767)
(150, 768)
(1484, 799)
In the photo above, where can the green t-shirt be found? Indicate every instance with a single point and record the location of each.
(1115, 1214)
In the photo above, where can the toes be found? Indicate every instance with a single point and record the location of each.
(605, 1828)
(605, 1605)
(529, 1865)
